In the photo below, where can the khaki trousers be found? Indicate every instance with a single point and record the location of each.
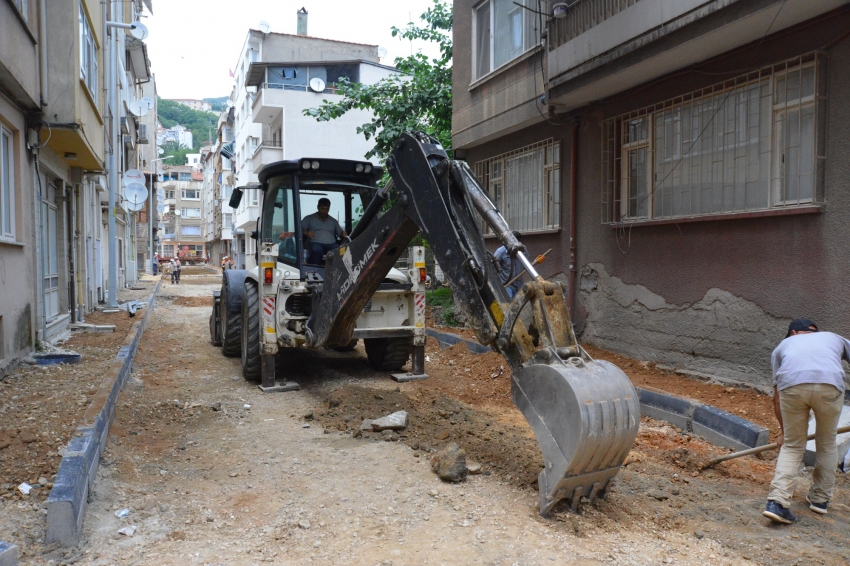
(795, 403)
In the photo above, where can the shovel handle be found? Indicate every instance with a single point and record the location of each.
(758, 449)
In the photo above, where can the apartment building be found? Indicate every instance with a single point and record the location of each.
(183, 218)
(194, 104)
(55, 134)
(20, 99)
(272, 88)
(677, 156)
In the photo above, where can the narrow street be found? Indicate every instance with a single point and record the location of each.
(213, 471)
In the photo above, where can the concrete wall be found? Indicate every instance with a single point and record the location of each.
(713, 296)
(19, 78)
(17, 259)
(496, 105)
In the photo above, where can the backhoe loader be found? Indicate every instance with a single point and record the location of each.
(584, 413)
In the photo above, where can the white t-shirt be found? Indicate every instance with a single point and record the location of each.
(810, 358)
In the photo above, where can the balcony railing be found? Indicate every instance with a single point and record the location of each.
(583, 16)
(300, 88)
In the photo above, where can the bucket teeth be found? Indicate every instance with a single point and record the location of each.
(585, 418)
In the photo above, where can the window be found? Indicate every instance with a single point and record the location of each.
(503, 31)
(169, 194)
(525, 186)
(88, 55)
(191, 194)
(7, 187)
(748, 144)
(185, 177)
(226, 221)
(190, 212)
(190, 230)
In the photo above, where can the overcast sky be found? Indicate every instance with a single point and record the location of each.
(193, 44)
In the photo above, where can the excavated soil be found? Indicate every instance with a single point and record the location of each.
(212, 471)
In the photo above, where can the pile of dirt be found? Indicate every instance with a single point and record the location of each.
(206, 301)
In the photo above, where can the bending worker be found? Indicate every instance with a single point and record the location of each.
(807, 376)
(323, 231)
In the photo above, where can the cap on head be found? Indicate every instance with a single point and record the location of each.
(801, 325)
(517, 235)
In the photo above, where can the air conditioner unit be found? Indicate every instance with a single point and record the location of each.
(128, 142)
(143, 133)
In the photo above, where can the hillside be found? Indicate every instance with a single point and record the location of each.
(217, 103)
(201, 124)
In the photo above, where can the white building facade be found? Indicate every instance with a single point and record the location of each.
(273, 88)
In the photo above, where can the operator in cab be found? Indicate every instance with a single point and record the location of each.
(323, 231)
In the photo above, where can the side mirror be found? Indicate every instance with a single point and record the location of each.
(235, 198)
(255, 234)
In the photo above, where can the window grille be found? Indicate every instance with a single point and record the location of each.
(751, 143)
(525, 186)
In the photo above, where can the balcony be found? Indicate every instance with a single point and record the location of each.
(271, 99)
(603, 47)
(267, 152)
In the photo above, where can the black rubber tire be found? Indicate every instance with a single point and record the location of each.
(252, 361)
(348, 347)
(387, 354)
(231, 327)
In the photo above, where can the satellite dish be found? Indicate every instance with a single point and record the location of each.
(133, 176)
(138, 108)
(148, 102)
(139, 31)
(317, 84)
(177, 212)
(382, 52)
(264, 26)
(136, 194)
(160, 151)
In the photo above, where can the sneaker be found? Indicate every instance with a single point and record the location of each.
(778, 514)
(817, 507)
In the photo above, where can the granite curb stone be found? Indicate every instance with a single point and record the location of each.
(8, 554)
(67, 501)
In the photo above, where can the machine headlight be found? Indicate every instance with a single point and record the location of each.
(359, 167)
(305, 164)
(314, 165)
(367, 168)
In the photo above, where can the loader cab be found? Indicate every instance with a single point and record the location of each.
(292, 191)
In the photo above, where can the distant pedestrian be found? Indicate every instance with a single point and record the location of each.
(508, 267)
(172, 270)
(807, 376)
(177, 267)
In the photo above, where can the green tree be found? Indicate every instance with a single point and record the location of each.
(202, 125)
(420, 98)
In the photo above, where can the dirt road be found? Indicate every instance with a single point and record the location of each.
(214, 472)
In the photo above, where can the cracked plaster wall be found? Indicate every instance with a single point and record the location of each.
(704, 336)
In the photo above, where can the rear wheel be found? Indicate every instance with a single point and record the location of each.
(252, 369)
(387, 354)
(231, 326)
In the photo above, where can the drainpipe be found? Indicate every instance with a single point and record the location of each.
(72, 245)
(573, 215)
(42, 50)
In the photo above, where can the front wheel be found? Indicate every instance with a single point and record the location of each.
(252, 368)
(387, 354)
(231, 324)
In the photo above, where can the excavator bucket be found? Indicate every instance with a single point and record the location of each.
(585, 416)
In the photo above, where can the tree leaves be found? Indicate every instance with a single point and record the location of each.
(418, 99)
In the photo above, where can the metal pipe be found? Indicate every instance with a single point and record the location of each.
(112, 297)
(72, 246)
(571, 299)
(42, 51)
(488, 211)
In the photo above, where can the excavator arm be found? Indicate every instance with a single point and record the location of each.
(584, 413)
